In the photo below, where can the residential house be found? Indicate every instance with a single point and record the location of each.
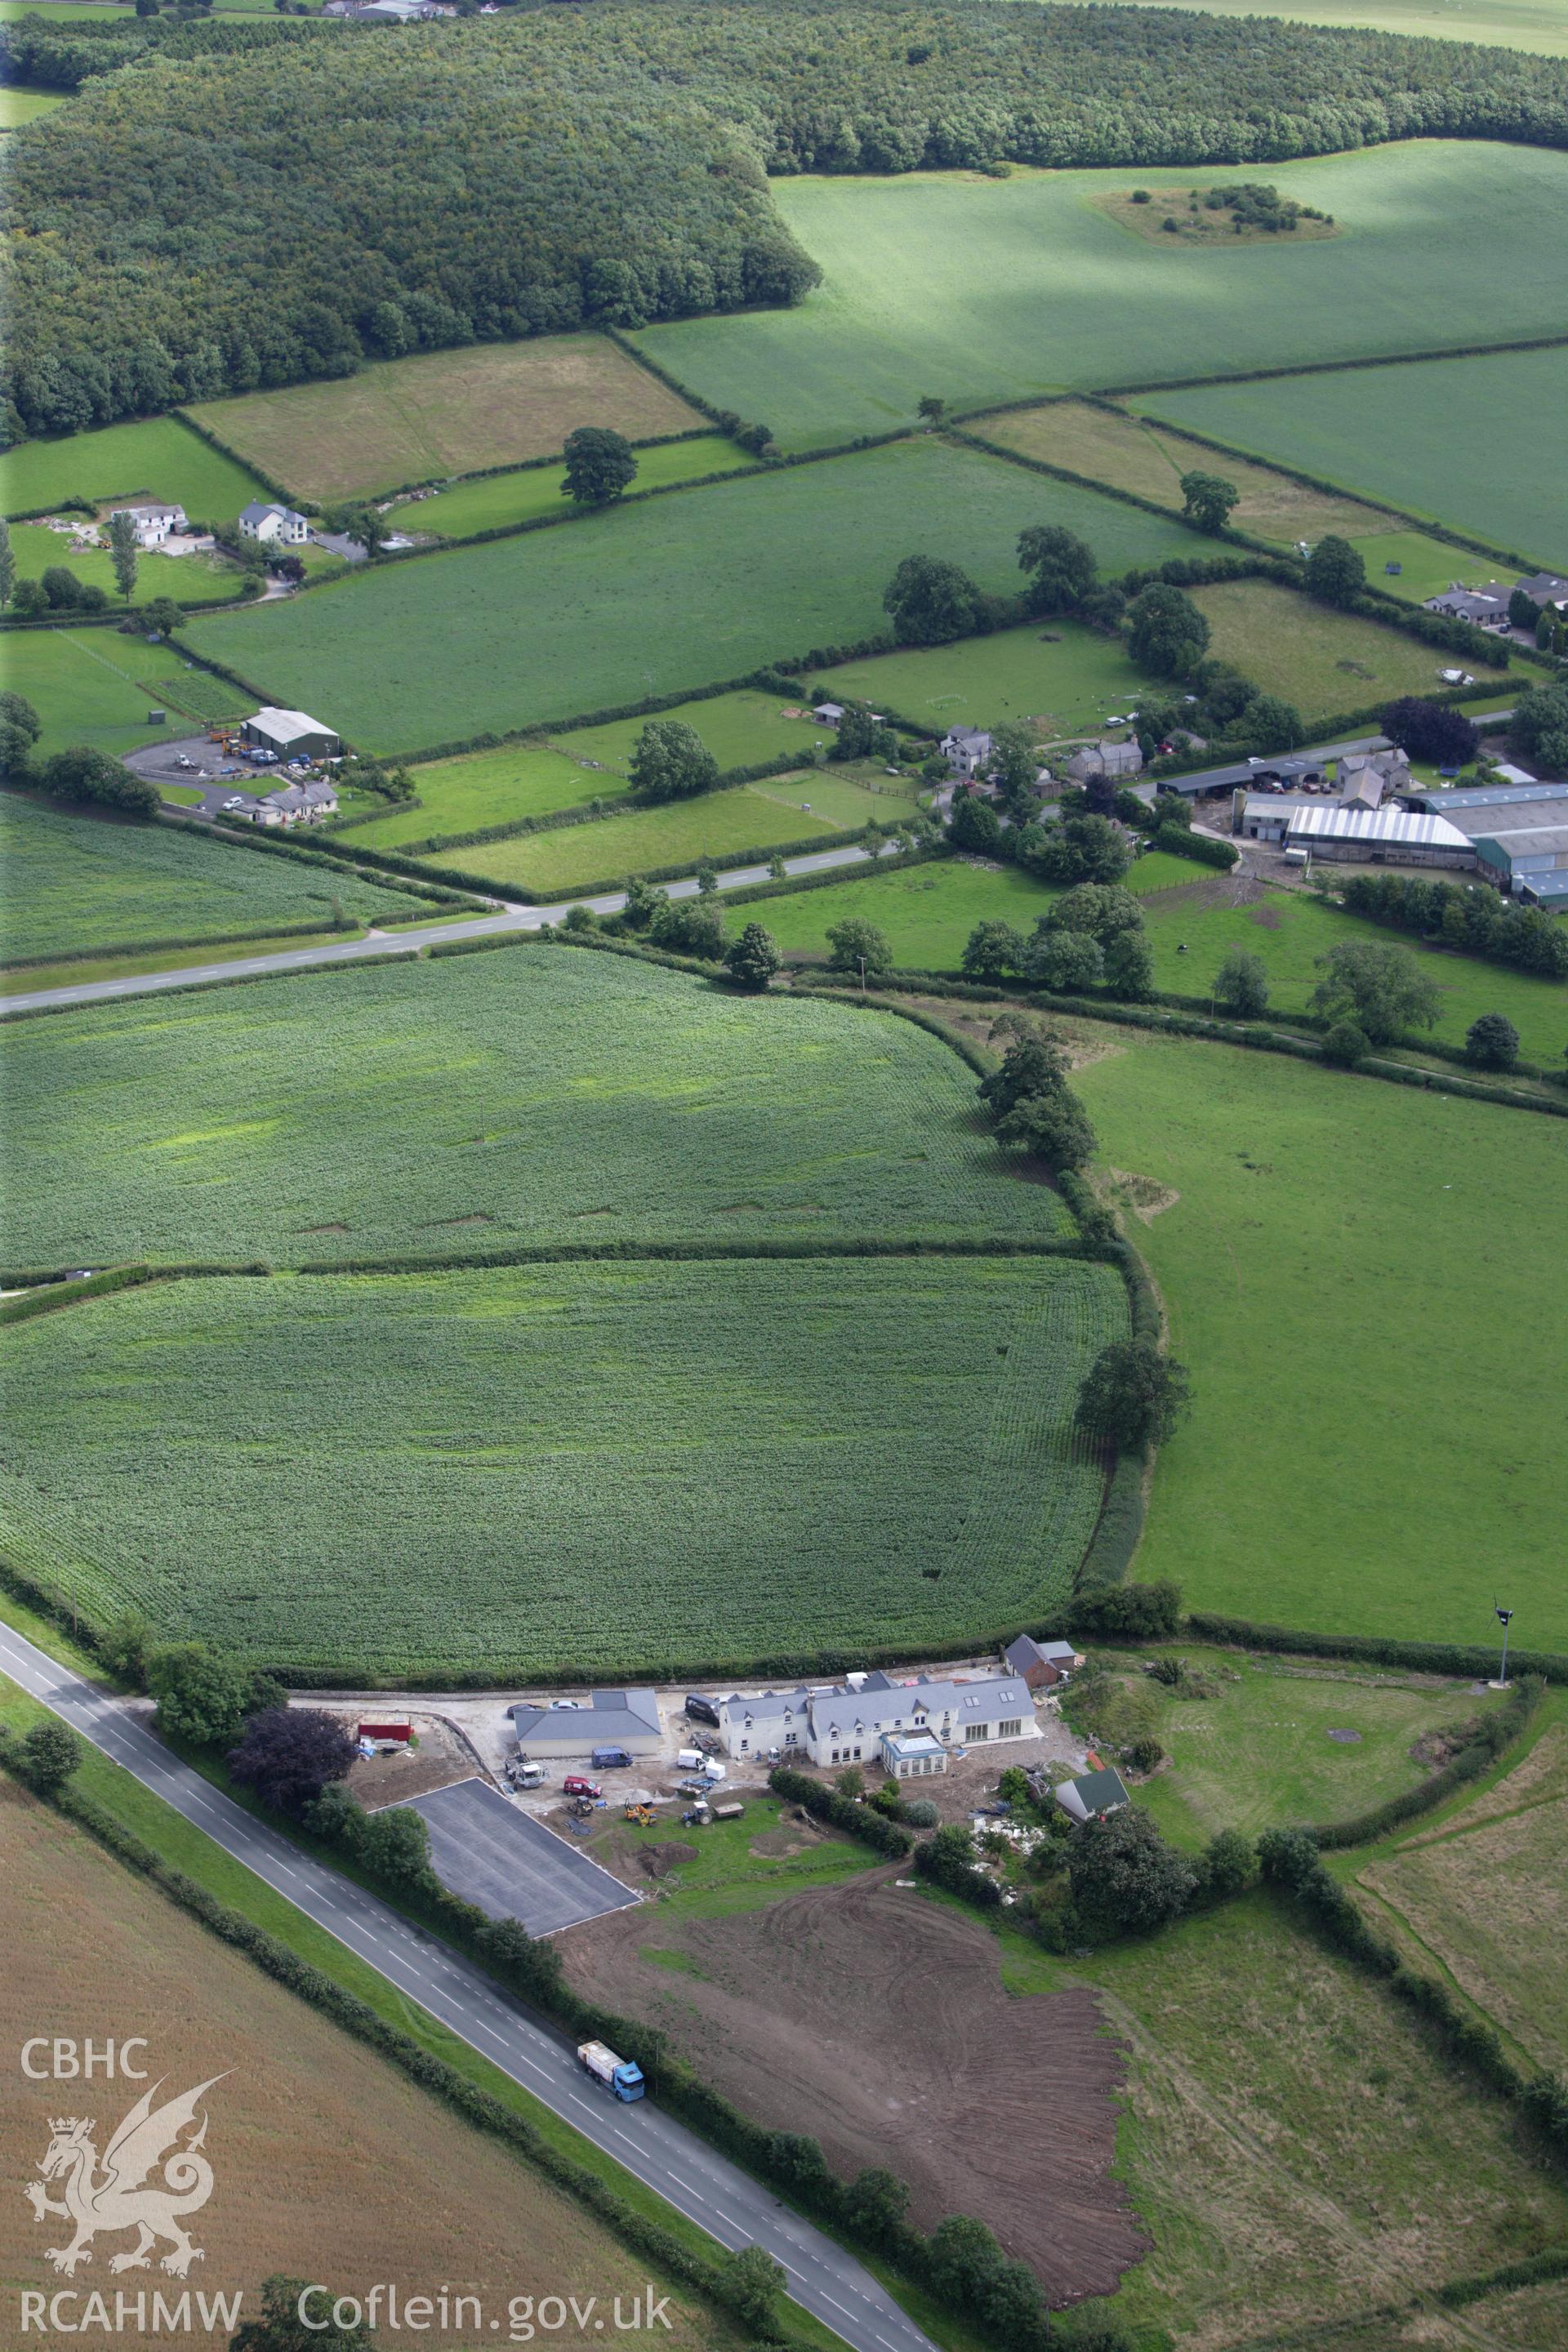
(848, 1726)
(1484, 608)
(1092, 1795)
(1118, 761)
(1546, 588)
(1041, 1664)
(271, 526)
(156, 519)
(909, 1755)
(300, 805)
(1366, 777)
(967, 750)
(610, 1718)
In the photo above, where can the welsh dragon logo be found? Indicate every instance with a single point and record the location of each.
(123, 2195)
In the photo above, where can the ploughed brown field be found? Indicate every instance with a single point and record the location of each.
(327, 2165)
(876, 2021)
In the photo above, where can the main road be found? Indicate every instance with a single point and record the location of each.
(408, 941)
(724, 2201)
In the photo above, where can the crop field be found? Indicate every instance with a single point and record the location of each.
(985, 290)
(296, 2116)
(575, 1464)
(180, 577)
(159, 455)
(1291, 2136)
(1069, 678)
(1438, 437)
(70, 881)
(1290, 928)
(719, 825)
(1298, 1260)
(1132, 453)
(536, 1094)
(1509, 24)
(1491, 1900)
(1259, 1750)
(1320, 661)
(83, 685)
(541, 629)
(198, 692)
(740, 728)
(498, 500)
(443, 413)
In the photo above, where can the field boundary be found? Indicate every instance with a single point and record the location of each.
(1330, 367)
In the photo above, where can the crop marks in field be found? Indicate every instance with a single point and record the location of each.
(590, 1465)
(444, 412)
(537, 1093)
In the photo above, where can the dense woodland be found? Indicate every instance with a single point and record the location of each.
(229, 204)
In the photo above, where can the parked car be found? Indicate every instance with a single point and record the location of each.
(576, 1785)
(701, 1709)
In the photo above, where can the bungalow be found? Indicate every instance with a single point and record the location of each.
(1546, 588)
(155, 519)
(613, 1718)
(271, 526)
(1092, 1795)
(966, 750)
(1484, 608)
(300, 805)
(1041, 1664)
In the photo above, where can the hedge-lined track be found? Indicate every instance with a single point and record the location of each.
(595, 1467)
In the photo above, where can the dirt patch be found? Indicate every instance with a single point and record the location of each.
(442, 1757)
(872, 2019)
(1145, 1198)
(1266, 917)
(658, 1861)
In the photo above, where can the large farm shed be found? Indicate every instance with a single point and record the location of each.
(292, 734)
(1379, 836)
(1520, 832)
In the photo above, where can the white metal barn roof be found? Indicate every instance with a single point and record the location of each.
(1376, 825)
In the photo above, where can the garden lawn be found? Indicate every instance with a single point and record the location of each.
(69, 881)
(722, 826)
(533, 1095)
(1297, 2149)
(665, 595)
(486, 788)
(159, 455)
(1067, 677)
(1322, 661)
(439, 414)
(1353, 1275)
(205, 577)
(1440, 438)
(500, 499)
(20, 105)
(83, 684)
(1290, 929)
(594, 1466)
(740, 729)
(1131, 453)
(1509, 24)
(983, 290)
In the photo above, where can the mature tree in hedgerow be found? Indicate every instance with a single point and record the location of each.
(1100, 909)
(1125, 1878)
(1208, 499)
(1492, 1042)
(1538, 730)
(85, 774)
(1430, 731)
(693, 927)
(1165, 631)
(1066, 962)
(1381, 989)
(1272, 724)
(1034, 1063)
(1129, 967)
(50, 1754)
(1062, 569)
(856, 945)
(931, 602)
(1241, 984)
(1227, 1864)
(202, 1694)
(753, 958)
(20, 728)
(600, 466)
(289, 1754)
(1335, 572)
(930, 410)
(975, 824)
(1132, 1395)
(751, 2282)
(1053, 1128)
(278, 2327)
(671, 762)
(992, 950)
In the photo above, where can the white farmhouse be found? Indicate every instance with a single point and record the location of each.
(273, 525)
(908, 1726)
(156, 519)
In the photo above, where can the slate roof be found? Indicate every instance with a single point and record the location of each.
(612, 1715)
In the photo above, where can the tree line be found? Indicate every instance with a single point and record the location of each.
(242, 205)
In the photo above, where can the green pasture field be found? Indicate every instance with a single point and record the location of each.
(666, 1433)
(1134, 453)
(502, 498)
(1322, 661)
(740, 728)
(20, 105)
(484, 788)
(1334, 1240)
(1257, 1751)
(177, 576)
(1297, 2149)
(719, 825)
(983, 290)
(1067, 675)
(1291, 929)
(1509, 24)
(663, 596)
(1427, 565)
(539, 1093)
(727, 1874)
(83, 685)
(439, 414)
(72, 881)
(159, 455)
(1439, 437)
